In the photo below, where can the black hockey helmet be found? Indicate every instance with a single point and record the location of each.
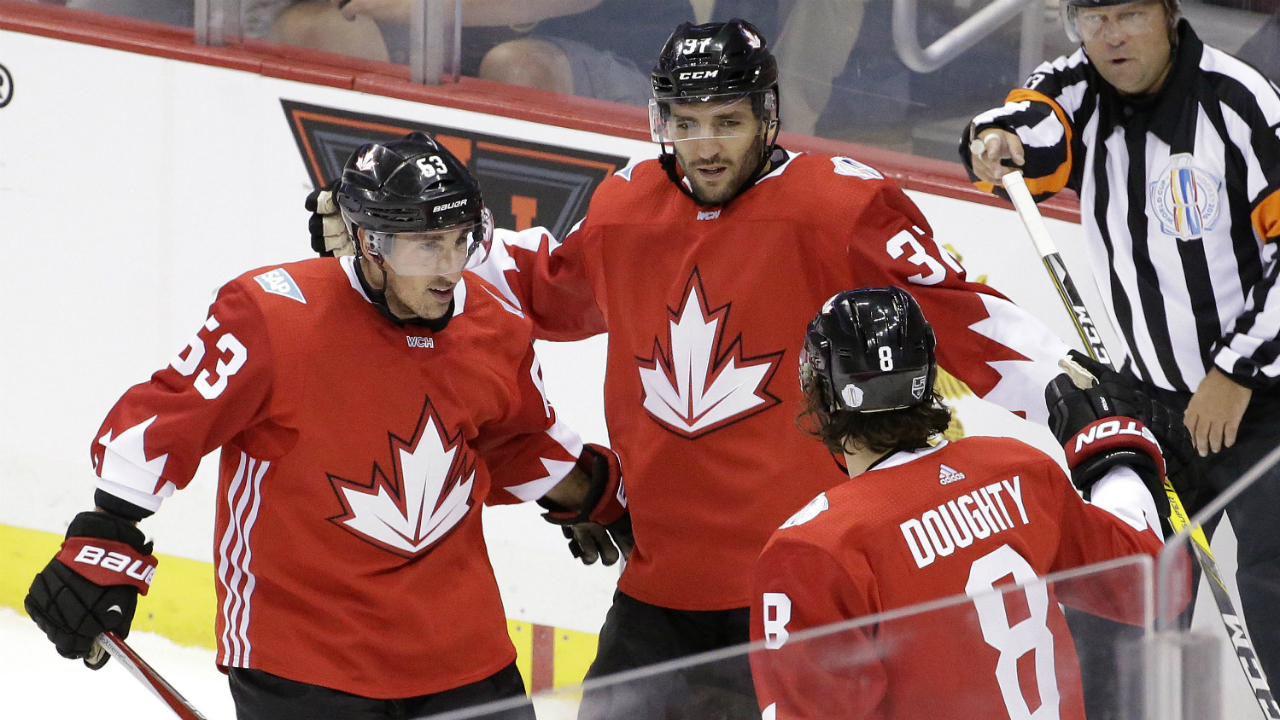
(410, 186)
(714, 62)
(718, 58)
(868, 350)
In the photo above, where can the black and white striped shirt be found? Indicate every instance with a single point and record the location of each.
(1180, 202)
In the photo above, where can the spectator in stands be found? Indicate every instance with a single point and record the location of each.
(257, 15)
(498, 43)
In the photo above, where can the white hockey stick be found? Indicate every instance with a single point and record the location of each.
(1016, 186)
(131, 661)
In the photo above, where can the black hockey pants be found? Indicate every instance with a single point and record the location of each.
(637, 635)
(262, 696)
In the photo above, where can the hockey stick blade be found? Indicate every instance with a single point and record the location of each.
(146, 675)
(1016, 186)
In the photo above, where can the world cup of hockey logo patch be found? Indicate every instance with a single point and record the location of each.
(1184, 198)
(852, 396)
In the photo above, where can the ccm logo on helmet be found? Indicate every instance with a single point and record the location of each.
(699, 74)
(116, 562)
(449, 206)
(1111, 428)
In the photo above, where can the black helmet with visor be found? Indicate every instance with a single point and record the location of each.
(869, 350)
(412, 207)
(714, 63)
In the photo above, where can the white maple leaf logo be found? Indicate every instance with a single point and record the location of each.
(425, 499)
(695, 388)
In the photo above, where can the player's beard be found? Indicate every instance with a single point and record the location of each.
(411, 296)
(741, 170)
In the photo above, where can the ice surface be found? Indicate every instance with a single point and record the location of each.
(39, 684)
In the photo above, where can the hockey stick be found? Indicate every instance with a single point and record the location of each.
(1016, 186)
(112, 644)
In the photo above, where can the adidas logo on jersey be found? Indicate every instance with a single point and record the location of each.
(420, 342)
(948, 475)
(709, 214)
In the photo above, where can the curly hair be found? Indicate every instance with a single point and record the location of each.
(884, 431)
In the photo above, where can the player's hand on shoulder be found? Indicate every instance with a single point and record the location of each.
(329, 236)
(1108, 422)
(994, 153)
(92, 585)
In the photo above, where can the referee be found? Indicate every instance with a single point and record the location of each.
(1174, 149)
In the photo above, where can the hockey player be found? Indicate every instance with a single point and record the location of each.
(865, 547)
(698, 265)
(365, 407)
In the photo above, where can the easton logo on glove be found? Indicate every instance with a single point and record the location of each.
(1113, 433)
(106, 562)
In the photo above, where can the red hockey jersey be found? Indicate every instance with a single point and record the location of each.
(706, 310)
(958, 519)
(356, 453)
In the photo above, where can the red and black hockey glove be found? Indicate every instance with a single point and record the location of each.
(602, 522)
(92, 585)
(1182, 462)
(1112, 424)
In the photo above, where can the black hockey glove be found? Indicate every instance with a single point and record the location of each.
(1181, 461)
(606, 499)
(590, 542)
(1107, 425)
(601, 528)
(329, 234)
(92, 585)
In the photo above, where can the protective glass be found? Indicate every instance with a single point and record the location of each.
(1002, 649)
(673, 120)
(1127, 20)
(435, 252)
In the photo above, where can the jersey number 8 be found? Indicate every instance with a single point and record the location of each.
(1032, 634)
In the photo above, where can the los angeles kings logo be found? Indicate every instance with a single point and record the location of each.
(424, 498)
(691, 386)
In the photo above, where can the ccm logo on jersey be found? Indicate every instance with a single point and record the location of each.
(107, 562)
(957, 523)
(420, 342)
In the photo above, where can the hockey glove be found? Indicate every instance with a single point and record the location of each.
(329, 236)
(590, 542)
(602, 522)
(606, 500)
(1182, 462)
(92, 585)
